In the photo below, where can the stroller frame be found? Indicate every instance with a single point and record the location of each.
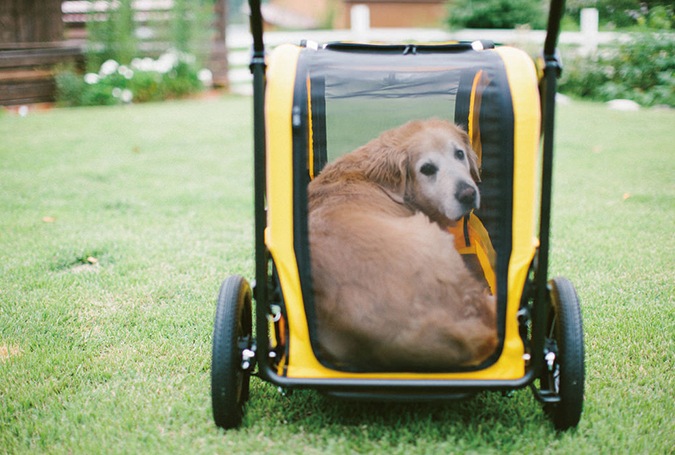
(539, 296)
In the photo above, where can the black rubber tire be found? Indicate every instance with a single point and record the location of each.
(232, 331)
(565, 335)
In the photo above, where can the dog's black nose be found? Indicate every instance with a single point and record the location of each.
(467, 196)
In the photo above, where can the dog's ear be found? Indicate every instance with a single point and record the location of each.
(388, 167)
(473, 165)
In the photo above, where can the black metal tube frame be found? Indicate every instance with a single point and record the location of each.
(548, 86)
(259, 151)
(552, 69)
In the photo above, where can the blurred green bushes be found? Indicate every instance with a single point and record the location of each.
(641, 69)
(128, 60)
(505, 14)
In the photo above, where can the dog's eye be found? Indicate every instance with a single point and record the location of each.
(459, 154)
(428, 169)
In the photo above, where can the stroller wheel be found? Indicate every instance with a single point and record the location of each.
(563, 374)
(232, 334)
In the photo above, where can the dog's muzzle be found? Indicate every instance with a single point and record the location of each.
(467, 196)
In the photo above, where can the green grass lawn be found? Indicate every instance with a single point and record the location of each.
(118, 224)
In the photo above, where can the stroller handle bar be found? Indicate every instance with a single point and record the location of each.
(552, 30)
(256, 21)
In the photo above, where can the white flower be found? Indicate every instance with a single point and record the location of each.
(116, 92)
(142, 64)
(163, 66)
(108, 67)
(148, 64)
(166, 61)
(91, 78)
(205, 76)
(127, 95)
(125, 71)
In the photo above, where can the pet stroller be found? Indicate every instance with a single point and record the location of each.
(313, 103)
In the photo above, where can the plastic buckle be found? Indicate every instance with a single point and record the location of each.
(257, 60)
(410, 49)
(553, 62)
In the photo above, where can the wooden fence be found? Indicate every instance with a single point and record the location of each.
(31, 44)
(38, 35)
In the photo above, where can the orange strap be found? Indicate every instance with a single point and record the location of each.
(471, 237)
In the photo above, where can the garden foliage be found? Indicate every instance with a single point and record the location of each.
(655, 14)
(129, 61)
(508, 14)
(641, 69)
(505, 14)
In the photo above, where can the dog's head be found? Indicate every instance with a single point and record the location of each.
(429, 165)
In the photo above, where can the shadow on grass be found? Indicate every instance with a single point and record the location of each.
(315, 412)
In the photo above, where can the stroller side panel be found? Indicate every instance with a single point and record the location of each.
(279, 233)
(527, 124)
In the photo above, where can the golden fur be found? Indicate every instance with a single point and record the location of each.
(391, 293)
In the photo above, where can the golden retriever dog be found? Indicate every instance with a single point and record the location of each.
(391, 292)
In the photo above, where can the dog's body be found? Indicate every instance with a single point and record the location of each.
(391, 293)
